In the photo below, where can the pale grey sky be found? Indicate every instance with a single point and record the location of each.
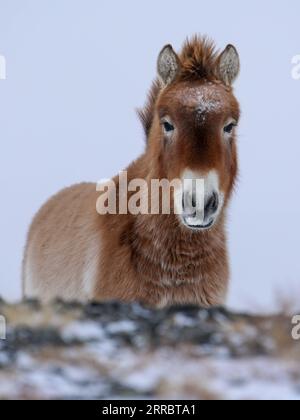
(76, 70)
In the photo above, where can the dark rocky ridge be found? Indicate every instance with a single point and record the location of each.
(113, 350)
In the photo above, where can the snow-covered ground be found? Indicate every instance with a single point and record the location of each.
(120, 351)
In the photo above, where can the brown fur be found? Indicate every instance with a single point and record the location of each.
(199, 60)
(74, 253)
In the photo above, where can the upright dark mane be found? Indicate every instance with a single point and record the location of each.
(146, 114)
(199, 60)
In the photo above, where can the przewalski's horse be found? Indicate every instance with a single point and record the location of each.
(190, 118)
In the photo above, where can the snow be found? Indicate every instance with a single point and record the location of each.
(87, 331)
(227, 378)
(128, 351)
(120, 327)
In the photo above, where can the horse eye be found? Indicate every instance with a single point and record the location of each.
(168, 127)
(229, 128)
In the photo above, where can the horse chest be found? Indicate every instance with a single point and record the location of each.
(185, 294)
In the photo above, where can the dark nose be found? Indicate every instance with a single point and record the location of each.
(211, 205)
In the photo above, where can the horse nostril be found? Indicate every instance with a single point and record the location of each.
(212, 204)
(194, 201)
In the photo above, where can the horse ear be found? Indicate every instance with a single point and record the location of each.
(168, 65)
(229, 65)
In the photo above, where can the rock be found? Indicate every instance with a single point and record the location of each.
(122, 351)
